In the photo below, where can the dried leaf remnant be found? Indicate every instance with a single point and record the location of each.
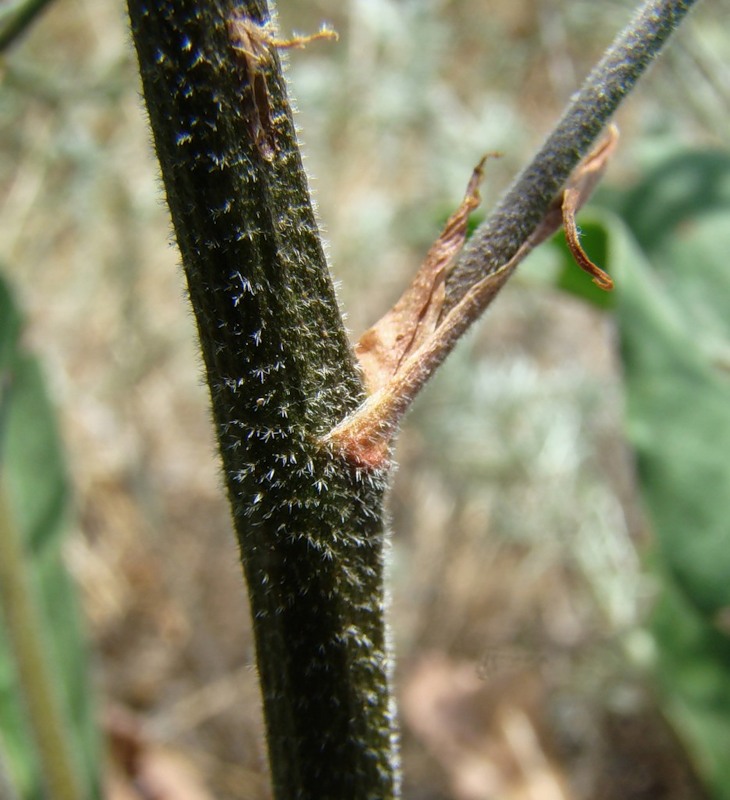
(403, 349)
(383, 348)
(399, 353)
(579, 189)
(253, 42)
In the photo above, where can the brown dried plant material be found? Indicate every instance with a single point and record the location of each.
(253, 41)
(581, 186)
(601, 278)
(382, 349)
(582, 182)
(139, 769)
(400, 352)
(364, 437)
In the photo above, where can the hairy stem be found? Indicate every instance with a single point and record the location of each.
(532, 209)
(525, 203)
(281, 373)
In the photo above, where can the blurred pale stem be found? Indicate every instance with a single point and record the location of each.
(16, 18)
(32, 662)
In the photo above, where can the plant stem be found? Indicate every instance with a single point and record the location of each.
(281, 373)
(35, 676)
(16, 18)
(524, 204)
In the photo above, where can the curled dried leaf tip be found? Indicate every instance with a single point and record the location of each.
(579, 188)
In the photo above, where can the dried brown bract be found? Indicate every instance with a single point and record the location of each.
(253, 42)
(404, 348)
(581, 186)
(383, 348)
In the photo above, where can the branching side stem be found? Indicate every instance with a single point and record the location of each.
(529, 211)
(524, 204)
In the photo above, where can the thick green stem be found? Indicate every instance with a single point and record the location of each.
(281, 374)
(524, 205)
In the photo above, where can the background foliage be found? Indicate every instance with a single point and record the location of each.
(33, 508)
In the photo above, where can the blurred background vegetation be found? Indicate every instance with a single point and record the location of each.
(523, 573)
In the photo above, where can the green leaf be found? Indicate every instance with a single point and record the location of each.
(683, 187)
(692, 672)
(669, 258)
(35, 490)
(678, 407)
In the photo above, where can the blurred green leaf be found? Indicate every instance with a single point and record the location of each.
(679, 425)
(668, 254)
(35, 484)
(693, 673)
(681, 188)
(669, 258)
(672, 317)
